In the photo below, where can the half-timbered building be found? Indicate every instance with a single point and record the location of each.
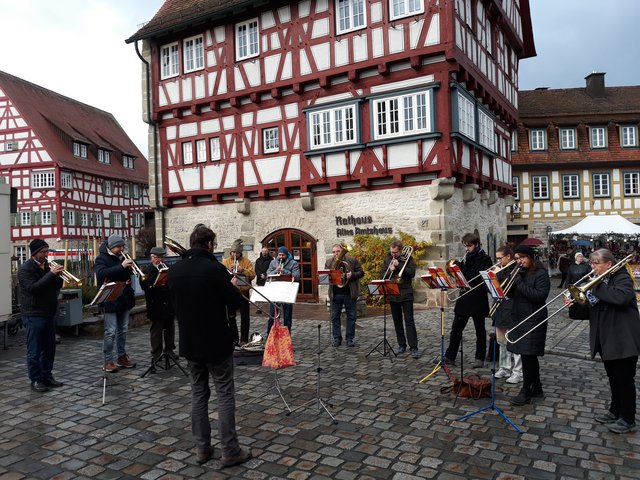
(304, 123)
(576, 153)
(75, 172)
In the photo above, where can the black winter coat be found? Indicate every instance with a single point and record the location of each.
(503, 318)
(614, 322)
(108, 268)
(261, 267)
(159, 305)
(530, 293)
(577, 271)
(405, 282)
(38, 289)
(475, 303)
(202, 293)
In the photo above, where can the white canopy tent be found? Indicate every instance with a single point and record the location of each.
(601, 225)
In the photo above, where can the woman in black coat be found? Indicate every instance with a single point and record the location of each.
(577, 271)
(614, 333)
(530, 294)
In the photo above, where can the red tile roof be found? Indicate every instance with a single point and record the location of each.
(58, 121)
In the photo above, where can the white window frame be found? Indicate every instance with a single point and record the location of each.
(348, 12)
(570, 185)
(629, 136)
(405, 8)
(601, 184)
(66, 180)
(407, 114)
(271, 140)
(136, 190)
(322, 127)
(21, 254)
(84, 219)
(169, 60)
(631, 184)
(598, 137)
(201, 151)
(80, 150)
(45, 217)
(193, 53)
(104, 156)
(69, 217)
(187, 153)
(538, 139)
(466, 116)
(486, 130)
(117, 220)
(25, 218)
(214, 149)
(247, 39)
(127, 161)
(126, 190)
(514, 140)
(107, 188)
(98, 220)
(540, 187)
(43, 180)
(567, 139)
(11, 146)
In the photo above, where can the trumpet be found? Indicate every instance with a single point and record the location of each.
(405, 255)
(174, 246)
(137, 271)
(67, 276)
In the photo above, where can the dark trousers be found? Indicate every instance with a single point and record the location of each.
(621, 375)
(287, 316)
(340, 298)
(530, 374)
(459, 324)
(244, 323)
(398, 310)
(162, 329)
(41, 346)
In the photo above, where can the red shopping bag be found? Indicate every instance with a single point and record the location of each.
(278, 351)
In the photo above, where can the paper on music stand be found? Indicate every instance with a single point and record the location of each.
(493, 284)
(458, 276)
(382, 287)
(437, 278)
(276, 292)
(161, 279)
(108, 292)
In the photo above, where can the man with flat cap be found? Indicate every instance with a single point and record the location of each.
(243, 274)
(39, 286)
(159, 308)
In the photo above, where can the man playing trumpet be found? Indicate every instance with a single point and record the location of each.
(243, 274)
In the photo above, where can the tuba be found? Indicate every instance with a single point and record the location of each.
(340, 264)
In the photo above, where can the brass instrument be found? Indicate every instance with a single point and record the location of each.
(340, 264)
(579, 294)
(495, 268)
(137, 271)
(162, 267)
(67, 276)
(405, 255)
(561, 294)
(174, 246)
(506, 285)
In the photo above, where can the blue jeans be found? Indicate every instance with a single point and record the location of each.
(286, 319)
(222, 375)
(115, 327)
(41, 346)
(342, 297)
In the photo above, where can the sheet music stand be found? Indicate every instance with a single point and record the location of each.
(384, 288)
(438, 279)
(330, 277)
(495, 289)
(276, 292)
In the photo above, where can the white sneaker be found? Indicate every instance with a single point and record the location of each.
(515, 378)
(503, 373)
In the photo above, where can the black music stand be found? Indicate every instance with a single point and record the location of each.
(493, 285)
(168, 360)
(437, 279)
(384, 288)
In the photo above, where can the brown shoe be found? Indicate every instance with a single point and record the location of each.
(204, 457)
(125, 362)
(243, 456)
(110, 367)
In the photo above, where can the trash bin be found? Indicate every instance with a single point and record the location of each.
(69, 307)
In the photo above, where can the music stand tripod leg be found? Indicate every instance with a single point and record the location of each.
(276, 387)
(440, 365)
(384, 342)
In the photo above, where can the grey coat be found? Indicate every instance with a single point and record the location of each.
(614, 322)
(530, 293)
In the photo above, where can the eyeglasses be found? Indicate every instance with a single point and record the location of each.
(499, 258)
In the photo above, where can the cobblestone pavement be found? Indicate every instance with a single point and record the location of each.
(388, 424)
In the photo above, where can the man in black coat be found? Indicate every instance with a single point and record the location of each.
(39, 286)
(202, 294)
(474, 304)
(402, 305)
(262, 265)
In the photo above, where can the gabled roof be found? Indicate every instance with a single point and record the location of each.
(58, 121)
(178, 14)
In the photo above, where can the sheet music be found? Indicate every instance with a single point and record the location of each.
(458, 276)
(276, 292)
(493, 284)
(437, 279)
(108, 292)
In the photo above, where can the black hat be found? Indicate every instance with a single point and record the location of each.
(525, 250)
(158, 251)
(36, 245)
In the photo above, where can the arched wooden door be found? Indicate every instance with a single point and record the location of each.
(303, 248)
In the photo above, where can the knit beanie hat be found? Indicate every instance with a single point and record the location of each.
(525, 250)
(236, 246)
(36, 245)
(115, 240)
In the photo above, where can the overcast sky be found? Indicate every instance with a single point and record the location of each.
(76, 48)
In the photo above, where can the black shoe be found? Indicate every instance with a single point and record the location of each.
(39, 386)
(400, 349)
(522, 399)
(337, 342)
(351, 343)
(52, 382)
(621, 426)
(607, 418)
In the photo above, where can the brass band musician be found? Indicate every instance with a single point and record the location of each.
(243, 274)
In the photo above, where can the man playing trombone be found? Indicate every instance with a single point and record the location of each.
(402, 268)
(242, 270)
(471, 303)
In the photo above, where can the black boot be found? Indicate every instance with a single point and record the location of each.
(523, 398)
(536, 391)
